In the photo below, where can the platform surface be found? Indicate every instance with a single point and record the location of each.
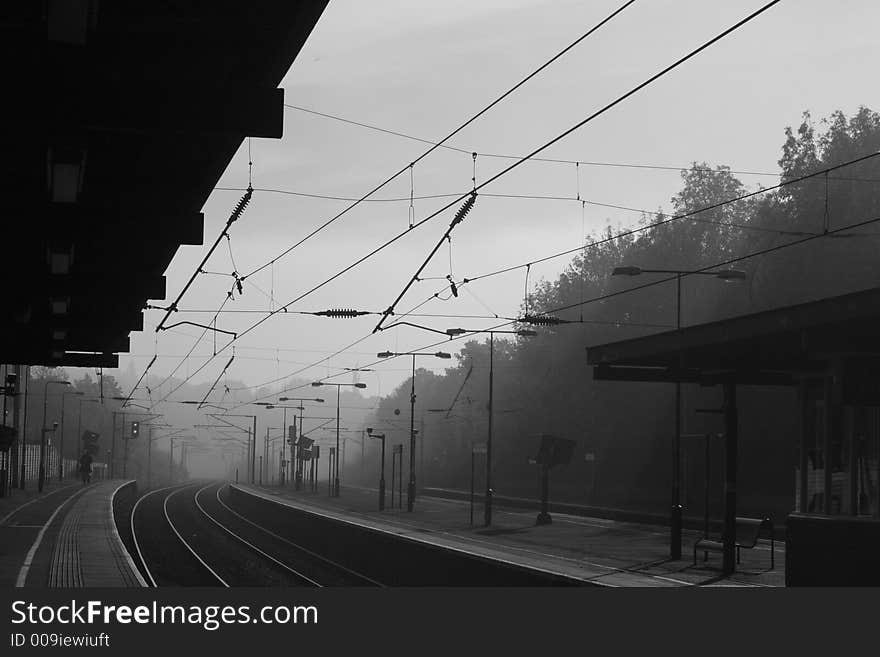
(595, 550)
(66, 537)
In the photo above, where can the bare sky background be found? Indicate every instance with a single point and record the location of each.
(422, 68)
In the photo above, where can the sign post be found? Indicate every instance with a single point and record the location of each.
(551, 451)
(476, 448)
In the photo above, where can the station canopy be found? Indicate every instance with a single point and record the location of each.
(775, 347)
(120, 118)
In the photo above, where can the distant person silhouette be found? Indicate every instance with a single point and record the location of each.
(85, 467)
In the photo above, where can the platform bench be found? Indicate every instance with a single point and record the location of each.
(748, 531)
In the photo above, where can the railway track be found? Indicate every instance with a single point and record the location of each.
(186, 535)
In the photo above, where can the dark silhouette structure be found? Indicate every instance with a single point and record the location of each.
(828, 350)
(121, 117)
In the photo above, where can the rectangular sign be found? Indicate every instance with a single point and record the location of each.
(589, 456)
(479, 448)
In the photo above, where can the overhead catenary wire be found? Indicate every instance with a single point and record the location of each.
(610, 295)
(773, 249)
(550, 160)
(589, 118)
(687, 215)
(234, 215)
(648, 227)
(437, 145)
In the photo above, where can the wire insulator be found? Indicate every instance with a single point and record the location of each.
(542, 320)
(341, 312)
(464, 209)
(242, 204)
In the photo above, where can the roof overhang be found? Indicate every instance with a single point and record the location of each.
(774, 347)
(117, 131)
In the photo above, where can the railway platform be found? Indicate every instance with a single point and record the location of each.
(66, 537)
(597, 551)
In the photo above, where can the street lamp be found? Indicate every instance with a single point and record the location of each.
(411, 487)
(42, 471)
(380, 436)
(318, 384)
(253, 448)
(523, 333)
(61, 442)
(727, 275)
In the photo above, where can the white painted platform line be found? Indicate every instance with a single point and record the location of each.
(114, 532)
(29, 559)
(29, 502)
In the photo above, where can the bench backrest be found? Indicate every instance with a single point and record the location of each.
(748, 530)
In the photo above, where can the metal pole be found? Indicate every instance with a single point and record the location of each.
(16, 421)
(708, 484)
(285, 433)
(24, 450)
(473, 457)
(411, 489)
(42, 468)
(731, 438)
(61, 443)
(149, 457)
(254, 451)
(382, 479)
(393, 464)
(487, 520)
(336, 457)
(124, 449)
(79, 429)
(113, 445)
(675, 519)
(330, 473)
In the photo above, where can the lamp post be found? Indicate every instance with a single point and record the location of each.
(380, 436)
(41, 477)
(338, 386)
(523, 333)
(411, 487)
(252, 442)
(728, 275)
(61, 442)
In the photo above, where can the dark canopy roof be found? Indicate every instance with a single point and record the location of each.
(772, 347)
(121, 117)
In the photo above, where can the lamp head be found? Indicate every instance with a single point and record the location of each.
(384, 354)
(443, 354)
(360, 385)
(316, 384)
(731, 275)
(626, 271)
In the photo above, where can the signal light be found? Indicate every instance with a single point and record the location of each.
(135, 429)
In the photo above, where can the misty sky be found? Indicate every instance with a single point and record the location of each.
(422, 68)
